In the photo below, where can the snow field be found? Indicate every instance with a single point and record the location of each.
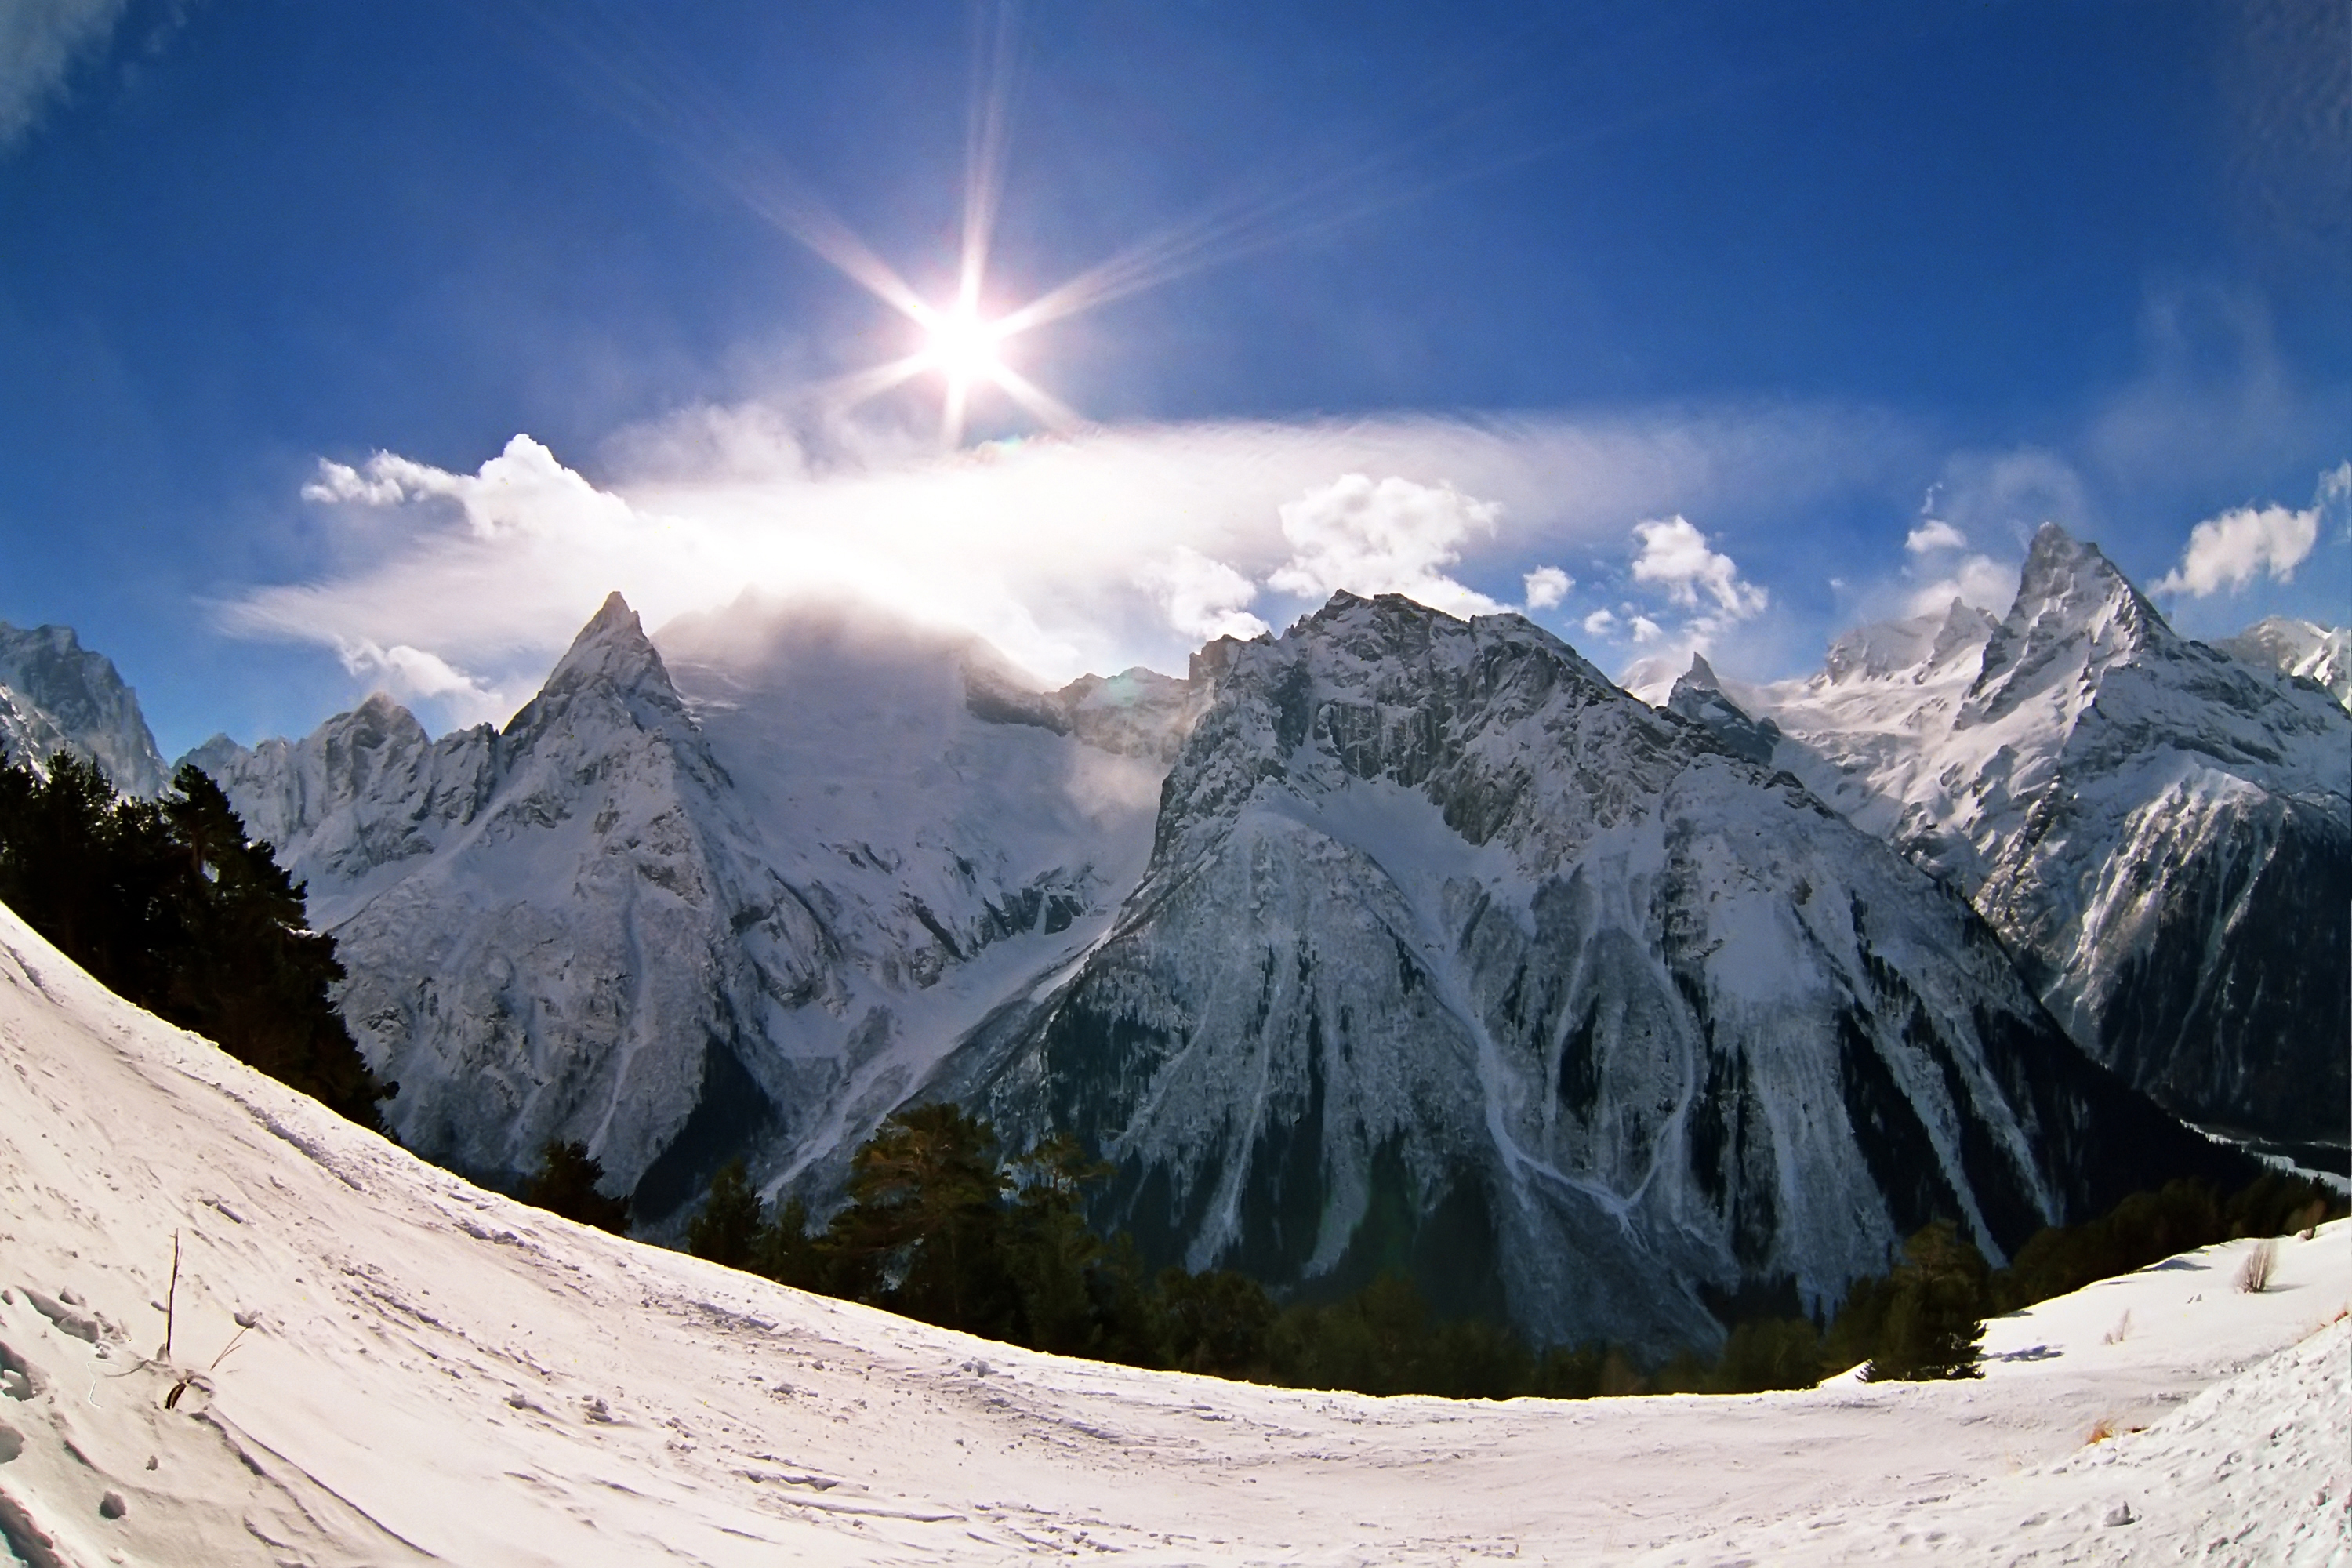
(436, 1373)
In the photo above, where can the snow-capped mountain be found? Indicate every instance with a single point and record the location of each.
(1452, 957)
(2161, 830)
(57, 695)
(736, 898)
(2323, 654)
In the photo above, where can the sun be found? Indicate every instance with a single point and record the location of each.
(963, 347)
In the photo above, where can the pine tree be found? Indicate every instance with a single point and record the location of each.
(566, 1184)
(727, 1229)
(786, 1252)
(923, 1230)
(250, 975)
(1049, 1252)
(1934, 1326)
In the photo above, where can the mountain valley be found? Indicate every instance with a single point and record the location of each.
(1397, 944)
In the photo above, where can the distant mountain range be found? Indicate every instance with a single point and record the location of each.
(1399, 941)
(55, 695)
(2160, 830)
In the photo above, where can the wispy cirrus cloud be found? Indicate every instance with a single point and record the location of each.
(41, 41)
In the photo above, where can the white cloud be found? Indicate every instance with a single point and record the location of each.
(1202, 598)
(2230, 550)
(1547, 586)
(2335, 498)
(1391, 537)
(1980, 580)
(523, 489)
(1935, 534)
(1676, 556)
(341, 482)
(412, 673)
(1600, 624)
(1645, 630)
(40, 43)
(1991, 496)
(1059, 551)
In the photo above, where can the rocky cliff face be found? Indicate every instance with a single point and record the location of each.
(55, 695)
(735, 897)
(2161, 830)
(1451, 957)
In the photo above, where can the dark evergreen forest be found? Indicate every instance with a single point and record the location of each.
(171, 906)
(943, 1225)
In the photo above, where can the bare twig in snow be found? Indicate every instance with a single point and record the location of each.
(2254, 1274)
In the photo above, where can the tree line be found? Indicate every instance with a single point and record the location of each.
(941, 1223)
(170, 905)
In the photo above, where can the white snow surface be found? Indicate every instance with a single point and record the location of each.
(826, 845)
(2318, 653)
(2085, 774)
(435, 1374)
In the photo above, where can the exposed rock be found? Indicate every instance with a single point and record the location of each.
(1453, 958)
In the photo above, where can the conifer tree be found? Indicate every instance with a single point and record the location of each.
(566, 1184)
(1934, 1326)
(922, 1232)
(727, 1229)
(251, 974)
(172, 907)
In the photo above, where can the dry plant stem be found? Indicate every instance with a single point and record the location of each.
(230, 1346)
(171, 1299)
(2255, 1275)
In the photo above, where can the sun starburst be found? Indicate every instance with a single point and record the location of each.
(959, 344)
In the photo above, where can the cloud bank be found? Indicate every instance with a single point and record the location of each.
(1104, 549)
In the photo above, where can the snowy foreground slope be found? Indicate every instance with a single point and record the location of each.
(434, 1374)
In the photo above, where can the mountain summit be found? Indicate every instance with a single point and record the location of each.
(736, 897)
(1453, 958)
(2164, 831)
(55, 695)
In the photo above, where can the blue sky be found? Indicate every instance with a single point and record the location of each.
(369, 344)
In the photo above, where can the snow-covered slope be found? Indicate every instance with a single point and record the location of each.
(434, 1373)
(739, 899)
(1453, 958)
(57, 695)
(2323, 654)
(2162, 830)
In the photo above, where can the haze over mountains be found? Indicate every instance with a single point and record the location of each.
(1397, 942)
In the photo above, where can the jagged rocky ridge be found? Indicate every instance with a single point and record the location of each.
(55, 695)
(2160, 829)
(2323, 654)
(739, 899)
(1451, 957)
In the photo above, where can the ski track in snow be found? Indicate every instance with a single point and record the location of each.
(437, 1373)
